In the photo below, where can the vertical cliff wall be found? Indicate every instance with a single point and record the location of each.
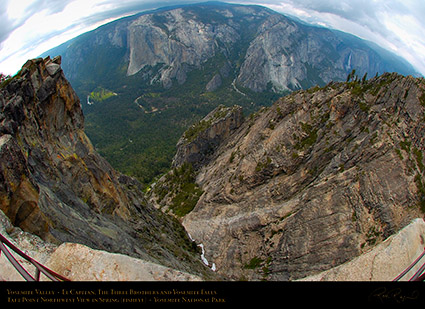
(54, 184)
(317, 179)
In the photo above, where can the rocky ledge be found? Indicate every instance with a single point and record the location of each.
(80, 263)
(386, 261)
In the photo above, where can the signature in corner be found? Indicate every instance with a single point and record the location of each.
(383, 294)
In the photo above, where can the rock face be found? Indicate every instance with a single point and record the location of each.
(202, 139)
(385, 262)
(176, 40)
(282, 53)
(265, 49)
(54, 184)
(80, 263)
(312, 182)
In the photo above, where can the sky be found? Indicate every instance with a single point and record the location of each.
(29, 28)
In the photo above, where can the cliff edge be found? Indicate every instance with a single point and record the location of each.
(55, 185)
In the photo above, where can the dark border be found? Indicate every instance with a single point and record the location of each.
(212, 293)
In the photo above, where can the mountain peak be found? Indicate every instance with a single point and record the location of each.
(170, 67)
(168, 43)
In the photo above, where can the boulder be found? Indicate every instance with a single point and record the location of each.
(81, 263)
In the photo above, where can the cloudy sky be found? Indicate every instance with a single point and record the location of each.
(30, 27)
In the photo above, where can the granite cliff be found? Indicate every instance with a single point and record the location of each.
(204, 137)
(313, 187)
(317, 179)
(144, 79)
(55, 185)
(257, 47)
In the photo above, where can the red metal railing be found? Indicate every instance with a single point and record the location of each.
(22, 271)
(419, 275)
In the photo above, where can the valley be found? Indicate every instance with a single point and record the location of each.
(178, 64)
(214, 142)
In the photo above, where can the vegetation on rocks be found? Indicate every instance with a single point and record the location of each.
(344, 161)
(179, 188)
(185, 61)
(56, 186)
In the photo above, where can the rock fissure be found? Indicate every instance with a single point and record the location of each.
(348, 187)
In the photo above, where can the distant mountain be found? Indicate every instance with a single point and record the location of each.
(144, 79)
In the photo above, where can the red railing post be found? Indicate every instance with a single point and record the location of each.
(418, 276)
(22, 271)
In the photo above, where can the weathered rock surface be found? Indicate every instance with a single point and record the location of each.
(281, 52)
(316, 180)
(263, 49)
(313, 182)
(201, 140)
(81, 263)
(385, 262)
(55, 185)
(172, 39)
(177, 190)
(32, 245)
(78, 262)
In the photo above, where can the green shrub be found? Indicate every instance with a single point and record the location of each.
(310, 139)
(181, 184)
(255, 262)
(421, 192)
(419, 158)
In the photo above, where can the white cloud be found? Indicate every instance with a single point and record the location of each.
(17, 9)
(40, 32)
(28, 28)
(33, 26)
(405, 35)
